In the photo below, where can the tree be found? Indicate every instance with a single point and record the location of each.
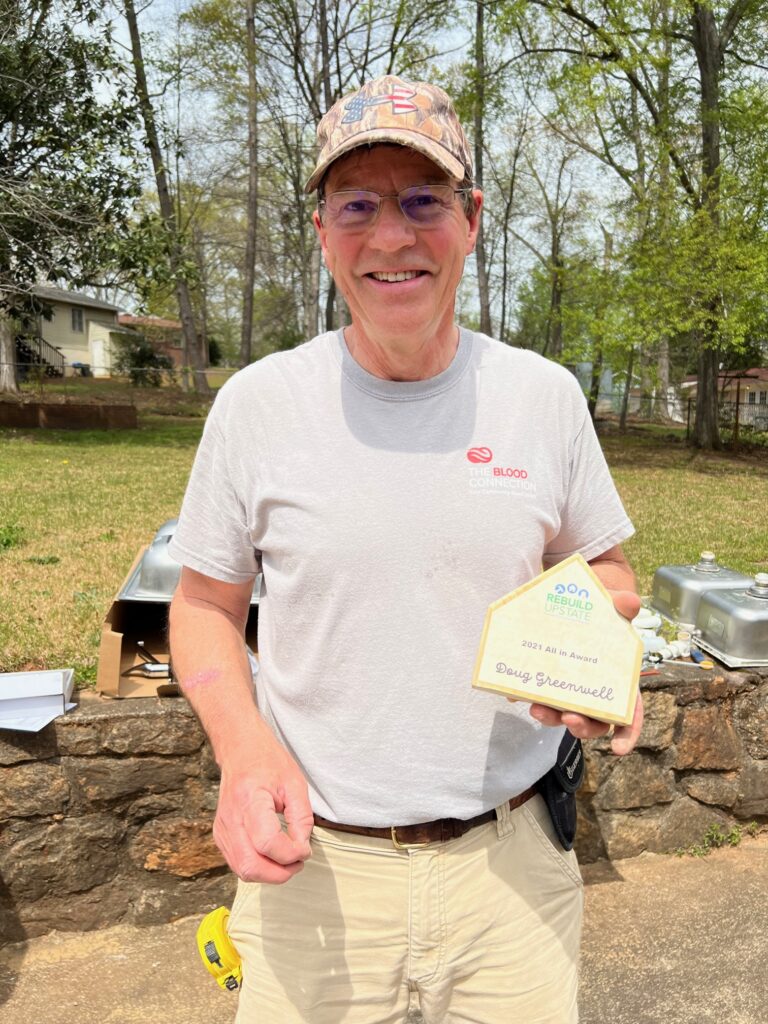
(167, 212)
(608, 57)
(67, 173)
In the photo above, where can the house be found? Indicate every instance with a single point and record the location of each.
(164, 334)
(748, 388)
(80, 332)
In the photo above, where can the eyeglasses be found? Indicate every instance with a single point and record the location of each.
(358, 209)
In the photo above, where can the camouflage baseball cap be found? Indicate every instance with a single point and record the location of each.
(388, 109)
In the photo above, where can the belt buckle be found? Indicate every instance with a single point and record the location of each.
(405, 846)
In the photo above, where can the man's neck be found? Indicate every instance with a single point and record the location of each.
(393, 359)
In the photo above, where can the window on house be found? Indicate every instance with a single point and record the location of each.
(752, 397)
(763, 397)
(77, 320)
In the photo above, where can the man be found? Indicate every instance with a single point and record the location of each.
(395, 801)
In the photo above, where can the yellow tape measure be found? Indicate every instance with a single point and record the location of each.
(217, 951)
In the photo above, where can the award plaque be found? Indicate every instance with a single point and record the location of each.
(558, 640)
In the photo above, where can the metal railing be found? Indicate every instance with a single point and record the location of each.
(42, 353)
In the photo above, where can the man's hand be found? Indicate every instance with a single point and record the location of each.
(627, 603)
(247, 829)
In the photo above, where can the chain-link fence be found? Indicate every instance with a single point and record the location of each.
(77, 380)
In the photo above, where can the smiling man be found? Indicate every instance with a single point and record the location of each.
(390, 480)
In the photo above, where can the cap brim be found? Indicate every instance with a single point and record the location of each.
(430, 148)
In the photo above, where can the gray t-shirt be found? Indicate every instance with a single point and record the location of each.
(386, 516)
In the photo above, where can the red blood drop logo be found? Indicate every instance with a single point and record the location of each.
(479, 454)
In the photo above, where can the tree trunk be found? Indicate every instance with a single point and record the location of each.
(325, 55)
(661, 404)
(312, 292)
(252, 208)
(554, 346)
(627, 389)
(480, 255)
(594, 387)
(706, 429)
(9, 381)
(597, 351)
(330, 307)
(706, 43)
(167, 212)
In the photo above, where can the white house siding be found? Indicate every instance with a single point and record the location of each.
(58, 332)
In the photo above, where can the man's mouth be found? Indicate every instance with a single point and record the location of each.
(393, 276)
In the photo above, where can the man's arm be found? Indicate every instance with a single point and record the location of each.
(617, 577)
(259, 778)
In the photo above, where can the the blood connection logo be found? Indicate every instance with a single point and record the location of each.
(487, 475)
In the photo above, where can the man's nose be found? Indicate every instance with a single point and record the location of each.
(392, 230)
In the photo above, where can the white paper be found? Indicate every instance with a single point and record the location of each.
(32, 723)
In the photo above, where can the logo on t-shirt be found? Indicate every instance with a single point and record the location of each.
(479, 454)
(487, 476)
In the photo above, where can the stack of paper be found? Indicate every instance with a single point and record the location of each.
(30, 700)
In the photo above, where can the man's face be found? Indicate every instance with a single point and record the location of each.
(432, 259)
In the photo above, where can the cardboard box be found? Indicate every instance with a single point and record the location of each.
(29, 700)
(120, 656)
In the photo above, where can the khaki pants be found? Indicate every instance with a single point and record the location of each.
(483, 929)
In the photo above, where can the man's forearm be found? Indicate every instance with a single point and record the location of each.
(211, 664)
(259, 779)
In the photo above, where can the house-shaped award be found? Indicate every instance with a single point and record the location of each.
(558, 640)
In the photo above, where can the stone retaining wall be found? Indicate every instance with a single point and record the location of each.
(105, 815)
(702, 759)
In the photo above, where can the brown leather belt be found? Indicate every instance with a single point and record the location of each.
(406, 836)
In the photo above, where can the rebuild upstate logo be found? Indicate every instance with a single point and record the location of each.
(487, 476)
(569, 601)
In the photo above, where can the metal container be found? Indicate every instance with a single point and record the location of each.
(156, 576)
(677, 589)
(733, 624)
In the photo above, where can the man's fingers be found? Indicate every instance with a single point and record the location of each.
(266, 833)
(246, 862)
(626, 603)
(626, 736)
(579, 725)
(298, 815)
(582, 727)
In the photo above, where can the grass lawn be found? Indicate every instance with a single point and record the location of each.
(76, 506)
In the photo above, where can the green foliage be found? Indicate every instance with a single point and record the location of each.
(11, 536)
(138, 359)
(215, 353)
(716, 837)
(67, 175)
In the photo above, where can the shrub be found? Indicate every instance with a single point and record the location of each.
(138, 359)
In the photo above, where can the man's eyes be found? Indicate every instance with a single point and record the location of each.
(359, 206)
(421, 200)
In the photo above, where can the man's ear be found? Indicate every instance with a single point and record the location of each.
(474, 220)
(322, 235)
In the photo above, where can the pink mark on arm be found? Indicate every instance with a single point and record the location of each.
(204, 678)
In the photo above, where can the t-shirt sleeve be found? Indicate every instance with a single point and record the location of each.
(592, 518)
(213, 535)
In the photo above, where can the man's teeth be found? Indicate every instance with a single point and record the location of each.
(401, 275)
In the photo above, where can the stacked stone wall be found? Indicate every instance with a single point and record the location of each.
(702, 760)
(105, 815)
